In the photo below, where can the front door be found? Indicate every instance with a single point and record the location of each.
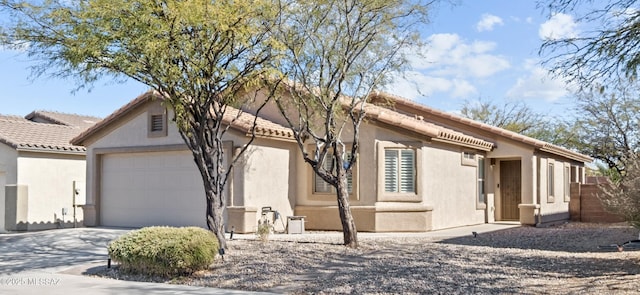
(510, 189)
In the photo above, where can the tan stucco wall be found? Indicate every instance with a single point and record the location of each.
(16, 201)
(49, 178)
(8, 164)
(445, 197)
(133, 131)
(450, 188)
(509, 150)
(261, 179)
(266, 179)
(556, 208)
(3, 182)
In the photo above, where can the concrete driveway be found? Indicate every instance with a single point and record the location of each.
(54, 249)
(50, 262)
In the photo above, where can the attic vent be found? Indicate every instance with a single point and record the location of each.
(157, 123)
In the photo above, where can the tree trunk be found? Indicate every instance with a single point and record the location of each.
(215, 221)
(349, 231)
(210, 166)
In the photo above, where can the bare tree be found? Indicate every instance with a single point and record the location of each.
(338, 52)
(609, 121)
(520, 118)
(604, 55)
(622, 197)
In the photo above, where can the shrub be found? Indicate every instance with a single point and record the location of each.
(622, 195)
(164, 250)
(263, 231)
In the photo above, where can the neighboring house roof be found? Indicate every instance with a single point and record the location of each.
(25, 135)
(44, 131)
(422, 110)
(237, 120)
(13, 118)
(81, 121)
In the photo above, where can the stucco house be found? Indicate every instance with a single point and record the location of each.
(419, 169)
(39, 170)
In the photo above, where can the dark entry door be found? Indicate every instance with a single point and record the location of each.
(510, 189)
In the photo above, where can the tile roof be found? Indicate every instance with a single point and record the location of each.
(420, 109)
(264, 128)
(242, 122)
(13, 118)
(434, 131)
(25, 135)
(81, 121)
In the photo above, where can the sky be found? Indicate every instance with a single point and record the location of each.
(476, 50)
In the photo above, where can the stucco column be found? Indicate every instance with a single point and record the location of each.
(528, 203)
(89, 215)
(528, 179)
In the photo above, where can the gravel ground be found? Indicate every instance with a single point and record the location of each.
(527, 260)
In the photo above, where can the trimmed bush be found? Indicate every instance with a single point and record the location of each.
(164, 251)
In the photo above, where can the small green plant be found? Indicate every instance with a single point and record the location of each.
(164, 251)
(264, 230)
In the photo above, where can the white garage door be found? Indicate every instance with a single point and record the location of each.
(159, 188)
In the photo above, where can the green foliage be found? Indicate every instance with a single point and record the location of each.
(202, 56)
(263, 231)
(609, 121)
(164, 250)
(182, 48)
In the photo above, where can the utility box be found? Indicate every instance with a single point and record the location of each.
(295, 224)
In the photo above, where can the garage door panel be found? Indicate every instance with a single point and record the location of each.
(143, 189)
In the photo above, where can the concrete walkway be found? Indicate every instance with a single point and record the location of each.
(52, 262)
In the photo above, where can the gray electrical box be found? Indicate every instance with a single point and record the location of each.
(295, 224)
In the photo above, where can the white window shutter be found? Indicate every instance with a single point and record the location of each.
(322, 186)
(407, 171)
(391, 170)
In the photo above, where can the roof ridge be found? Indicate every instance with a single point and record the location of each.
(63, 113)
(38, 123)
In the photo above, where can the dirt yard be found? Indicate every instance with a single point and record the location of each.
(525, 260)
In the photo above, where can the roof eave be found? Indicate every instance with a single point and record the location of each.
(104, 123)
(485, 148)
(50, 151)
(541, 145)
(566, 153)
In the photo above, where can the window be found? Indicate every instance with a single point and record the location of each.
(469, 159)
(580, 174)
(321, 186)
(567, 183)
(550, 184)
(400, 170)
(481, 179)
